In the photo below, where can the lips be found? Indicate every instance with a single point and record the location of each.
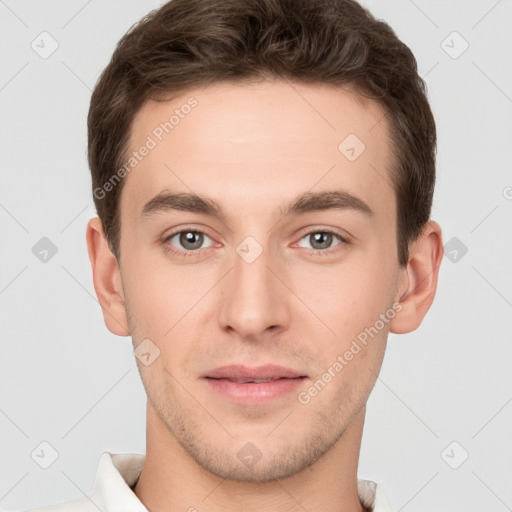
(253, 386)
(258, 374)
(251, 381)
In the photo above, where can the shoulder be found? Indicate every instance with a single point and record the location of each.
(80, 505)
(115, 475)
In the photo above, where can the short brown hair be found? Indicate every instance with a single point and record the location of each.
(189, 43)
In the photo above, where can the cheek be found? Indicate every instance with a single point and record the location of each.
(155, 289)
(150, 303)
(166, 306)
(347, 299)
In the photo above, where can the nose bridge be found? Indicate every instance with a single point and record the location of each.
(252, 300)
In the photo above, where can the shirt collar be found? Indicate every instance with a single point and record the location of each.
(118, 472)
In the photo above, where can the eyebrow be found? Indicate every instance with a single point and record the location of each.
(305, 203)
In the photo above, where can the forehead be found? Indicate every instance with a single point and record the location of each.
(241, 143)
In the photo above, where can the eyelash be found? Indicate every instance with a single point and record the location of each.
(312, 252)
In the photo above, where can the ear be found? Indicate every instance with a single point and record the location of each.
(107, 279)
(418, 279)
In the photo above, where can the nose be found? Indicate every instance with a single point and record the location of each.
(254, 299)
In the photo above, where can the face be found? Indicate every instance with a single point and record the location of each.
(252, 276)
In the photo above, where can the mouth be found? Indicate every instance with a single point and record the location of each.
(264, 373)
(250, 381)
(257, 385)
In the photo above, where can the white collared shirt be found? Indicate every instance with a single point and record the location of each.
(118, 472)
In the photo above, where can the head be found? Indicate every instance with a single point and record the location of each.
(263, 173)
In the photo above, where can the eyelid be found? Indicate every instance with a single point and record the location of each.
(186, 227)
(342, 234)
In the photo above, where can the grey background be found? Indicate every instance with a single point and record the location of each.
(66, 380)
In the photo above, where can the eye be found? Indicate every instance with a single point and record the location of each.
(322, 240)
(189, 240)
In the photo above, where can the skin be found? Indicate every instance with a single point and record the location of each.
(253, 149)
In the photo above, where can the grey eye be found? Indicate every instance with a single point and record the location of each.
(189, 240)
(320, 239)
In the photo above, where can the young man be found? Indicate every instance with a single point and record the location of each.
(263, 172)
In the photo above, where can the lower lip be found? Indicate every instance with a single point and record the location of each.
(252, 392)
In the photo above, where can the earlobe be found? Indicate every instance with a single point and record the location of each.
(107, 279)
(420, 278)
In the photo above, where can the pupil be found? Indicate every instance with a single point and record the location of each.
(188, 237)
(327, 238)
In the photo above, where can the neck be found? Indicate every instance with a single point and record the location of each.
(172, 481)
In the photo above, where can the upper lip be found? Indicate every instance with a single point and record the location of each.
(267, 371)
